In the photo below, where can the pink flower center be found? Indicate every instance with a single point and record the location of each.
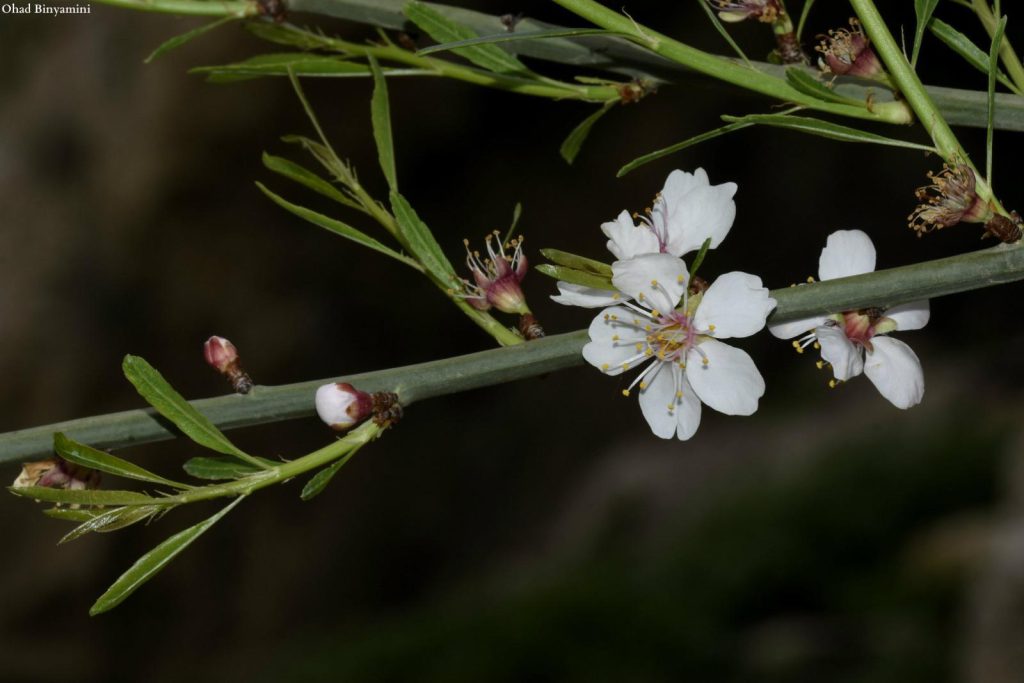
(672, 335)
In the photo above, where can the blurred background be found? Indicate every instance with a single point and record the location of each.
(533, 531)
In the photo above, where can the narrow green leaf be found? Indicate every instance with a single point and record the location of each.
(444, 30)
(300, 63)
(970, 52)
(589, 265)
(825, 129)
(809, 85)
(88, 497)
(112, 520)
(517, 212)
(147, 566)
(92, 458)
(923, 9)
(420, 240)
(576, 277)
(72, 514)
(679, 146)
(337, 227)
(158, 392)
(319, 481)
(220, 468)
(380, 114)
(717, 23)
(179, 40)
(572, 144)
(517, 36)
(699, 259)
(804, 13)
(306, 178)
(993, 67)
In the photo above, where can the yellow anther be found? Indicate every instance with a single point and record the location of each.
(625, 366)
(796, 345)
(654, 283)
(604, 367)
(705, 361)
(817, 346)
(820, 364)
(616, 296)
(681, 279)
(679, 394)
(655, 313)
(649, 351)
(639, 346)
(810, 278)
(643, 385)
(641, 296)
(711, 328)
(615, 317)
(625, 392)
(615, 337)
(831, 384)
(671, 408)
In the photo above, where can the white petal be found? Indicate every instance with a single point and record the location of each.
(626, 240)
(912, 316)
(895, 370)
(729, 382)
(613, 339)
(846, 359)
(795, 328)
(687, 408)
(657, 401)
(656, 280)
(703, 211)
(847, 252)
(587, 297)
(736, 304)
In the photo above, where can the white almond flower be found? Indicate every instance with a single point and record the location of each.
(853, 342)
(687, 211)
(678, 334)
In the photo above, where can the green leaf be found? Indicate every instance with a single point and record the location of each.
(993, 67)
(444, 30)
(572, 144)
(516, 36)
(809, 85)
(923, 9)
(220, 468)
(280, 63)
(318, 482)
(86, 456)
(72, 514)
(380, 114)
(306, 178)
(963, 46)
(679, 146)
(825, 129)
(152, 386)
(589, 265)
(147, 566)
(804, 13)
(517, 212)
(87, 497)
(699, 259)
(112, 520)
(717, 23)
(337, 227)
(178, 41)
(420, 241)
(577, 277)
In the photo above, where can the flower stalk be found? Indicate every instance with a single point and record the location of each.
(930, 279)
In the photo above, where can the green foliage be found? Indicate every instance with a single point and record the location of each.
(993, 67)
(825, 129)
(179, 40)
(564, 258)
(572, 144)
(923, 9)
(421, 241)
(147, 566)
(112, 520)
(970, 52)
(380, 114)
(281, 64)
(87, 497)
(521, 36)
(80, 454)
(577, 277)
(679, 146)
(444, 30)
(809, 85)
(308, 179)
(699, 258)
(219, 468)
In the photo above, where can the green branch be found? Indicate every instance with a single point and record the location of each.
(413, 383)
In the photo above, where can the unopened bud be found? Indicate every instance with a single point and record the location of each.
(342, 406)
(222, 356)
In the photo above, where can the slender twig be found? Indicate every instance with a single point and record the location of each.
(990, 20)
(413, 383)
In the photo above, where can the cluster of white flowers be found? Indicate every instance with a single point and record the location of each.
(660, 319)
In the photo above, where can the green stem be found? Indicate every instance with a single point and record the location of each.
(413, 383)
(724, 69)
(197, 8)
(1006, 52)
(902, 73)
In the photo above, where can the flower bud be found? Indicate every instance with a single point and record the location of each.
(766, 11)
(57, 473)
(222, 356)
(342, 406)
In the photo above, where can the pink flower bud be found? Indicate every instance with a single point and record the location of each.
(57, 473)
(342, 406)
(222, 356)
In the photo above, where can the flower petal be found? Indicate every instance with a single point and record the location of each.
(795, 328)
(687, 407)
(912, 316)
(669, 403)
(626, 240)
(846, 359)
(735, 305)
(613, 339)
(656, 280)
(587, 297)
(729, 382)
(847, 252)
(695, 210)
(895, 370)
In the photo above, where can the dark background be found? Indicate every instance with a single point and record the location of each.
(532, 531)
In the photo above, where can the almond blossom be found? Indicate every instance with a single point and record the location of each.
(677, 336)
(688, 211)
(854, 342)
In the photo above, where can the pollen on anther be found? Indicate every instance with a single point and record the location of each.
(820, 364)
(679, 394)
(711, 328)
(681, 279)
(655, 313)
(616, 296)
(625, 392)
(810, 279)
(643, 385)
(831, 384)
(615, 337)
(654, 283)
(604, 367)
(817, 346)
(796, 345)
(705, 361)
